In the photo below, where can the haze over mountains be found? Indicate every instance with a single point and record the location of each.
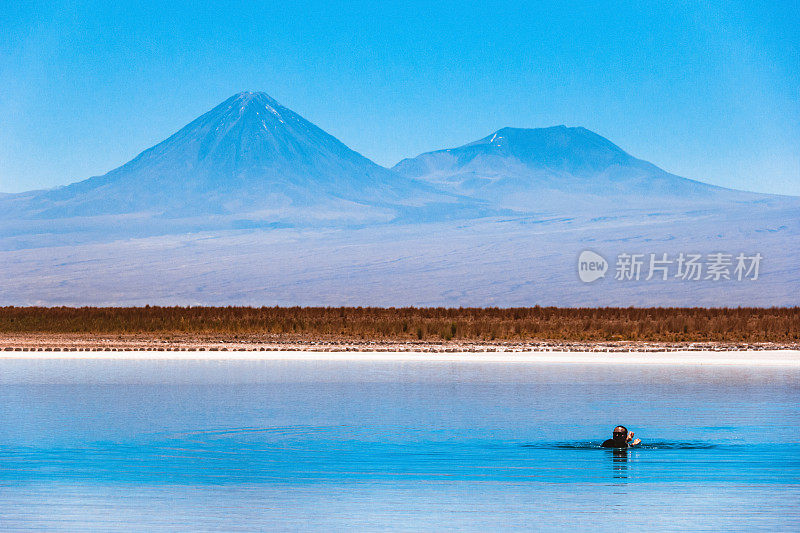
(497, 221)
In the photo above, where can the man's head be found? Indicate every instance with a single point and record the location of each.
(620, 433)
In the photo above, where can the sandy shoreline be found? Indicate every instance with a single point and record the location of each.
(760, 358)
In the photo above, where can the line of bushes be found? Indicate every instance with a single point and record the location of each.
(422, 324)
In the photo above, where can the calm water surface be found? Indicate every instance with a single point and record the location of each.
(276, 445)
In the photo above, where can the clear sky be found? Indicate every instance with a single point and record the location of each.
(709, 91)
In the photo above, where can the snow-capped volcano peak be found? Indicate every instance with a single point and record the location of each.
(574, 149)
(247, 103)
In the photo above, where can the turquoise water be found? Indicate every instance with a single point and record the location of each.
(227, 445)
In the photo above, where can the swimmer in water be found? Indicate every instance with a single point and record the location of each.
(620, 438)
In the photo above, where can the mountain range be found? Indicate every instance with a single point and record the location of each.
(250, 159)
(253, 167)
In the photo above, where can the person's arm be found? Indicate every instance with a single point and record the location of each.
(630, 437)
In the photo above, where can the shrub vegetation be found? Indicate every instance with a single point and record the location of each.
(418, 324)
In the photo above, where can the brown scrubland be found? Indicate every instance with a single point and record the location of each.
(194, 326)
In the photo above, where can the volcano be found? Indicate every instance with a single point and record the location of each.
(560, 169)
(248, 157)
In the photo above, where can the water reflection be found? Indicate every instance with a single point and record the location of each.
(619, 463)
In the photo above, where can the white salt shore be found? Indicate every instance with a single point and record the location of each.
(759, 358)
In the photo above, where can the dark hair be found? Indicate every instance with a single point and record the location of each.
(619, 430)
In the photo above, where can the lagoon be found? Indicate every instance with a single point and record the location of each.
(310, 441)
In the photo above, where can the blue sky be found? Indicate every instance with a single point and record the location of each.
(707, 91)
